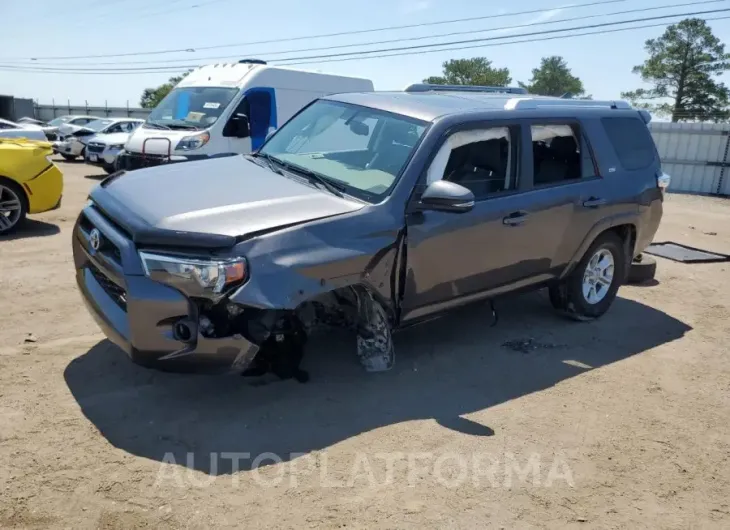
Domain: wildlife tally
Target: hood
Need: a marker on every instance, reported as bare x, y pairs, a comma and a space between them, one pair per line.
156, 141
229, 196
110, 139
69, 128
30, 126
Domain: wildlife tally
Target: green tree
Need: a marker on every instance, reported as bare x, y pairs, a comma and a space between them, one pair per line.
151, 97
474, 71
681, 68
554, 78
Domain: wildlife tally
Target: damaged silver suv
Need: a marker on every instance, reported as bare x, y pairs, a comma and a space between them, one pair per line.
373, 211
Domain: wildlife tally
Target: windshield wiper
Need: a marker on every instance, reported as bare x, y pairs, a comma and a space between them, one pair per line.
155, 125
184, 126
313, 176
269, 163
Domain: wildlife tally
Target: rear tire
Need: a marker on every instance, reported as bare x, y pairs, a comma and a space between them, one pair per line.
108, 168
16, 206
591, 288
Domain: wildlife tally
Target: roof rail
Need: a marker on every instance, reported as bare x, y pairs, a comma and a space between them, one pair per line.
252, 61
537, 103
429, 87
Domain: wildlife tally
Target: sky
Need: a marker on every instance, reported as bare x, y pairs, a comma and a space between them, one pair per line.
40, 29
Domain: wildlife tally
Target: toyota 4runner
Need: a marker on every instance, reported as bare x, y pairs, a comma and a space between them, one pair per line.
374, 211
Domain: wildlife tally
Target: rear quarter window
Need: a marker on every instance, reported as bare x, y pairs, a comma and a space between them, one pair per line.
632, 142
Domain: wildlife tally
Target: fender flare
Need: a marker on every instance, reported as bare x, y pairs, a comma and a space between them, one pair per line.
626, 218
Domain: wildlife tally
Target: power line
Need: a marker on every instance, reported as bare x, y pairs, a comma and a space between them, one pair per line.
326, 35
357, 54
556, 37
486, 39
541, 39
403, 39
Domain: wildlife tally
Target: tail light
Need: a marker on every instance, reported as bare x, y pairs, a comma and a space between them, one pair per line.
662, 181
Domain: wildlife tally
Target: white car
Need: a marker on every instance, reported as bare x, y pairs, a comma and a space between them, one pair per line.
9, 129
31, 121
74, 145
69, 123
102, 150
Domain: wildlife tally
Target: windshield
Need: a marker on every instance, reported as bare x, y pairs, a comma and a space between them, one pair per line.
58, 121
98, 125
192, 107
361, 149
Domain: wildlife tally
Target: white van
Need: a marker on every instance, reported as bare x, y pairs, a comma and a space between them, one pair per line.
227, 109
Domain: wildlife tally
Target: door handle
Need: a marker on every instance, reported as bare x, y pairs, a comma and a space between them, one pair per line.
594, 202
515, 219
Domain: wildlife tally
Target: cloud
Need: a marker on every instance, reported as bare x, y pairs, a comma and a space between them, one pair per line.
413, 6
542, 17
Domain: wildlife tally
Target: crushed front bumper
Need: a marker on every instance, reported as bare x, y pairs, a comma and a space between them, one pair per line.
138, 314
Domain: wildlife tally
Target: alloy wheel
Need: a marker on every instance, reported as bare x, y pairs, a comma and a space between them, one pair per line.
10, 208
598, 276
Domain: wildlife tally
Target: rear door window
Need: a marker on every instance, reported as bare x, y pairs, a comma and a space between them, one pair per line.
632, 142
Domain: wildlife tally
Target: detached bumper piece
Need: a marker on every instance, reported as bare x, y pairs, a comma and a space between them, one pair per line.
156, 325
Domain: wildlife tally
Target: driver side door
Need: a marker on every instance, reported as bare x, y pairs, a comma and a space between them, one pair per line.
454, 258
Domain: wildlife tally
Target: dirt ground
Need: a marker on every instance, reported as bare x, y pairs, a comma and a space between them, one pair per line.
537, 422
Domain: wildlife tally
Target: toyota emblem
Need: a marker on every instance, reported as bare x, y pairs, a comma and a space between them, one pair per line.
95, 239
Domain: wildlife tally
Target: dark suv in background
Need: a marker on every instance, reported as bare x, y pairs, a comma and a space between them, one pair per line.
373, 210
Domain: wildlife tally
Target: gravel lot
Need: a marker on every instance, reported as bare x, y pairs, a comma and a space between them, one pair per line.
538, 422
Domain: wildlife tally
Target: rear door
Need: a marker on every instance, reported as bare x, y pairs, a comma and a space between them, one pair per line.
567, 195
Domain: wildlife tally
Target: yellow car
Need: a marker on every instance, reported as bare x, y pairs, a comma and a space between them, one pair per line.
29, 181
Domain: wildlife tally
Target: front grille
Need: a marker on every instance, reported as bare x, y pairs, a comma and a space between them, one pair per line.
94, 148
106, 247
132, 161
116, 293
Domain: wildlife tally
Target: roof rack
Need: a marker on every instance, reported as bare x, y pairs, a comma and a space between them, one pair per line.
430, 87
537, 103
252, 61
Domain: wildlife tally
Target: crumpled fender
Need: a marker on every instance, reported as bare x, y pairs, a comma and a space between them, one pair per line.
293, 265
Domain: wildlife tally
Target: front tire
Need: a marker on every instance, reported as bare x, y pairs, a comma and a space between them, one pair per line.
68, 158
13, 206
591, 288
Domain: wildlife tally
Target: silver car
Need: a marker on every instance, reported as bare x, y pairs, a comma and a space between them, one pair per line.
102, 150
74, 145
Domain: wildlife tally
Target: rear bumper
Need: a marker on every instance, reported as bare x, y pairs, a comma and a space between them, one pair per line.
45, 190
139, 315
650, 217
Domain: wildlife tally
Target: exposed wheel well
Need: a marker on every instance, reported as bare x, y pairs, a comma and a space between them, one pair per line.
627, 233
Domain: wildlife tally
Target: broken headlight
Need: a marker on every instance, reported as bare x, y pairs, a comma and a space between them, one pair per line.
195, 277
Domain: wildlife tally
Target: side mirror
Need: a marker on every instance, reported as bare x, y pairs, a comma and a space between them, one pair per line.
241, 127
445, 196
